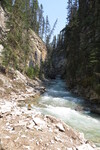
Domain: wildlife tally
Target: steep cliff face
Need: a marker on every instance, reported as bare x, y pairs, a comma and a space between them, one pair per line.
58, 62
2, 20
37, 52
2, 27
37, 49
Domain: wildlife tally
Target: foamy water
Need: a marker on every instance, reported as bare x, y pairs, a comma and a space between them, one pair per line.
59, 102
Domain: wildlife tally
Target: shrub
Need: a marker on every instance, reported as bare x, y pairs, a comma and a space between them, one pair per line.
32, 72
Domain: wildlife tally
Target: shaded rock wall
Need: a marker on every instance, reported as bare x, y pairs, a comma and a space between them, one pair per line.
59, 61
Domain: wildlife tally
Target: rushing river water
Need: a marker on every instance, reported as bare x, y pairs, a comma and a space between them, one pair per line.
59, 102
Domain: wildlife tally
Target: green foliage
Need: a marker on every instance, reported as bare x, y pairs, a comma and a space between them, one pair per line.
82, 44
37, 70
33, 72
30, 72
6, 4
13, 42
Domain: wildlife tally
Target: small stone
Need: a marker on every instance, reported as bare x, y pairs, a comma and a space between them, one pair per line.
81, 136
69, 149
7, 137
46, 144
56, 131
57, 139
60, 127
31, 125
41, 140
1, 116
23, 136
50, 130
39, 122
26, 147
38, 128
52, 142
37, 143
93, 145
29, 107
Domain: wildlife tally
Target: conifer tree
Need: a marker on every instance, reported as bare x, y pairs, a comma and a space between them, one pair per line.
41, 23
47, 30
34, 14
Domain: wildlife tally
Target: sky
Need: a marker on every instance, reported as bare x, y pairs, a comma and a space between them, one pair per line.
55, 9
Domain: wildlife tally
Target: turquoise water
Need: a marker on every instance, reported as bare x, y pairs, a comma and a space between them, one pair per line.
59, 102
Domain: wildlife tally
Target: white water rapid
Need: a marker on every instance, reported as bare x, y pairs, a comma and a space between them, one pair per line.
59, 102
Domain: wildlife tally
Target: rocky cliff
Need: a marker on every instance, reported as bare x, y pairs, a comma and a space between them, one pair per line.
2, 27
37, 49
2, 20
58, 62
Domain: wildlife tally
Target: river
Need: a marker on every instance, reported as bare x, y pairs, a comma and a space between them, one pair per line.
61, 103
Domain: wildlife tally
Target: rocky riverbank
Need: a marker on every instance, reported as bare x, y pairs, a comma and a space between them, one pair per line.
24, 128
92, 99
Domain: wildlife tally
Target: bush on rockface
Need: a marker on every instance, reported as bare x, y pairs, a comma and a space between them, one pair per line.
32, 72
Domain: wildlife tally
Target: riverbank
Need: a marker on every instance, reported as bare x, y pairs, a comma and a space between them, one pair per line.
92, 99
23, 127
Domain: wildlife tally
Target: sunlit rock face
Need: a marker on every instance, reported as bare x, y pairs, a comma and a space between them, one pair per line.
2, 19
37, 49
2, 28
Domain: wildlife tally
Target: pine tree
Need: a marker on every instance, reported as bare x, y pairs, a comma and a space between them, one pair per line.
43, 28
27, 25
41, 21
47, 31
34, 15
54, 42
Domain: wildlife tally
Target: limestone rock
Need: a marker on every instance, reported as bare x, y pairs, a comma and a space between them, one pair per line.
39, 53
20, 76
39, 122
69, 149
84, 147
30, 126
60, 127
1, 49
2, 19
57, 139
